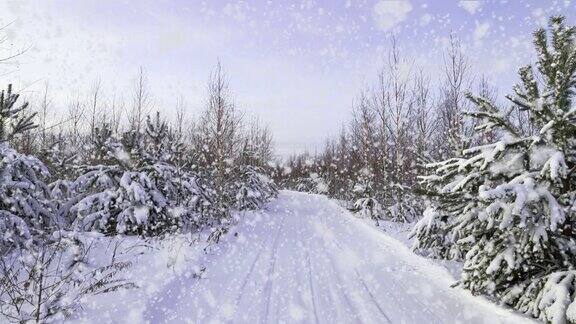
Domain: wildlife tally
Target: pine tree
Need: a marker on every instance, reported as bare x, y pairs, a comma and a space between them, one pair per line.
366, 204
506, 207
26, 210
137, 190
254, 188
252, 183
13, 120
156, 147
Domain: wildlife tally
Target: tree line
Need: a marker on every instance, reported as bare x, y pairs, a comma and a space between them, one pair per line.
99, 172
398, 124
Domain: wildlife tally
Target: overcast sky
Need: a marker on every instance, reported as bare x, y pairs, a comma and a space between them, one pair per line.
295, 64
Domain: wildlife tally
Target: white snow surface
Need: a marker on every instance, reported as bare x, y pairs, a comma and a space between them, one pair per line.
303, 259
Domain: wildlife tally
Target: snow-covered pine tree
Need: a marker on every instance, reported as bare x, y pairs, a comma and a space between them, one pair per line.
110, 197
103, 148
178, 150
450, 189
405, 206
509, 205
366, 204
14, 120
251, 182
217, 142
187, 198
136, 192
25, 204
156, 147
312, 183
188, 204
254, 188
60, 156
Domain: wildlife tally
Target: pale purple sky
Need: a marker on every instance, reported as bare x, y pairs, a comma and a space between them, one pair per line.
295, 64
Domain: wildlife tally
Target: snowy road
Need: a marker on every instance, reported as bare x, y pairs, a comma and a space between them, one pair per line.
304, 259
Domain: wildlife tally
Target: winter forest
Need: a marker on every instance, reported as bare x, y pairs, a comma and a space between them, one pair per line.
138, 185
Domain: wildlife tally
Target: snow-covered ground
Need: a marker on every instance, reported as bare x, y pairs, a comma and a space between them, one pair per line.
301, 259
401, 232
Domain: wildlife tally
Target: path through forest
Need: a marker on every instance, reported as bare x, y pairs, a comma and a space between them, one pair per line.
305, 259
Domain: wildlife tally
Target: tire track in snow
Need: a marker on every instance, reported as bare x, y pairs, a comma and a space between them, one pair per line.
311, 283
359, 277
372, 298
248, 275
363, 284
341, 283
353, 275
309, 263
271, 268
394, 283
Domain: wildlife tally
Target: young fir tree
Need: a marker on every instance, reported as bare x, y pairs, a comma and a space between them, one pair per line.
313, 182
160, 161
60, 156
252, 184
506, 208
366, 204
156, 148
254, 188
25, 204
135, 192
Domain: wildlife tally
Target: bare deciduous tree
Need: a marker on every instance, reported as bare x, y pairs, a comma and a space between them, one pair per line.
454, 130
